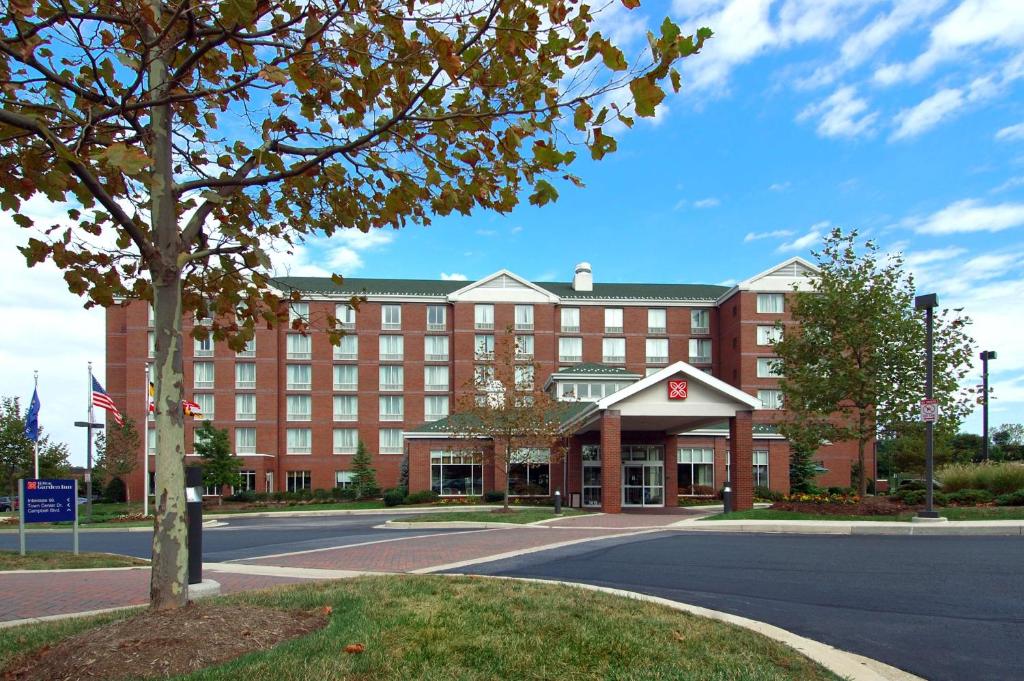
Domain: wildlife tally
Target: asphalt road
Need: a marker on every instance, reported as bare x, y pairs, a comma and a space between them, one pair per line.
242, 537
939, 607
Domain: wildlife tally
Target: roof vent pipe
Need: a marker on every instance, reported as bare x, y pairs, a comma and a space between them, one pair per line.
583, 280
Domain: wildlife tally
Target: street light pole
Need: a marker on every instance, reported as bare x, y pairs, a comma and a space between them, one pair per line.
928, 303
986, 355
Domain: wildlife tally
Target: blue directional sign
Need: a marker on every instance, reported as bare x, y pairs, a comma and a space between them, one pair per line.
48, 501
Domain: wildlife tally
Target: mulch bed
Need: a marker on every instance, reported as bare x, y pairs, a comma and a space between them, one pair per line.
866, 506
164, 644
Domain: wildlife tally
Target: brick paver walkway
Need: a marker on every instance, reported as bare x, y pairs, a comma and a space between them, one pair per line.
45, 593
624, 520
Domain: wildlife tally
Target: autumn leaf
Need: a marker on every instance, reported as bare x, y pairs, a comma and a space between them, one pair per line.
630, 4
646, 96
131, 160
238, 11
544, 193
354, 648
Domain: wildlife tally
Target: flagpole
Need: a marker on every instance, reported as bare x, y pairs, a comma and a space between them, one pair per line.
88, 451
35, 445
145, 446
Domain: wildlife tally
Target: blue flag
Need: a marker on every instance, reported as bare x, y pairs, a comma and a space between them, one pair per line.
32, 418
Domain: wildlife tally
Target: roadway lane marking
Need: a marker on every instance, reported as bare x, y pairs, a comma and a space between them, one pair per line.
350, 546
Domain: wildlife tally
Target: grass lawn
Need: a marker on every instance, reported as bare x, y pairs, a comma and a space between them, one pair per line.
953, 513
983, 513
519, 516
54, 560
430, 627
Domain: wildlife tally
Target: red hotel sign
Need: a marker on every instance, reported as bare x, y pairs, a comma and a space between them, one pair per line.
677, 390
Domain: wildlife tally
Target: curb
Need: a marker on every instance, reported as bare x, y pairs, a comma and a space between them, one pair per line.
343, 512
840, 662
454, 525
866, 527
66, 616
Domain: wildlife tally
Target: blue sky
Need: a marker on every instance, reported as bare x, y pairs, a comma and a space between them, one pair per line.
904, 120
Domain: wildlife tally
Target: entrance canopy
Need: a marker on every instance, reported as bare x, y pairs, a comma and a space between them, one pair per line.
677, 399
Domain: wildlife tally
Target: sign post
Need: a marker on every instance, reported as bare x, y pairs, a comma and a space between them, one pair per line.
47, 501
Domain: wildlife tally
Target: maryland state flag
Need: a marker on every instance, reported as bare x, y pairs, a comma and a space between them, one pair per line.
150, 398
191, 408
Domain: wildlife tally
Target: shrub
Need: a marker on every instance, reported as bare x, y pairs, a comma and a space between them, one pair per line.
494, 496
425, 496
247, 496
911, 497
910, 486
997, 478
1011, 499
706, 491
278, 496
394, 497
841, 490
321, 495
115, 491
260, 496
343, 493
968, 497
766, 493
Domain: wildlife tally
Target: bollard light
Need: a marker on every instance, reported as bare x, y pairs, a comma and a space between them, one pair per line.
558, 502
726, 499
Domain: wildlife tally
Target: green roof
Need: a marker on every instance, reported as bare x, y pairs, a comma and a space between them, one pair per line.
757, 428
435, 287
594, 369
445, 425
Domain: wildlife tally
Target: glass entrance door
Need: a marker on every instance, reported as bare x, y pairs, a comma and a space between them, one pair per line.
643, 475
591, 475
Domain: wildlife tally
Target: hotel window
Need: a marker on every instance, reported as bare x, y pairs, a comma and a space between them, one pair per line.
346, 315
696, 469
245, 375
151, 439
591, 475
298, 377
149, 319
570, 320
529, 473
771, 302
524, 347
436, 318
206, 405
651, 370
768, 335
456, 474
152, 344
343, 479
657, 351
245, 441
392, 377
656, 320
435, 348
250, 349
390, 441
768, 367
524, 317
524, 377
613, 320
203, 347
346, 408
346, 440
700, 322
299, 407
203, 321
483, 375
296, 481
299, 346
347, 348
770, 399
246, 482
760, 468
346, 377
391, 317
613, 350
435, 407
392, 407
299, 440
700, 351
570, 349
392, 348
483, 317
483, 346
245, 407
203, 375
298, 312
435, 378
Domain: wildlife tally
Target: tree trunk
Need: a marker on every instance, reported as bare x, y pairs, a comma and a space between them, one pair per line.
169, 577
863, 484
507, 486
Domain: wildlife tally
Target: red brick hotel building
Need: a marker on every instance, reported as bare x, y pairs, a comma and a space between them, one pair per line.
296, 407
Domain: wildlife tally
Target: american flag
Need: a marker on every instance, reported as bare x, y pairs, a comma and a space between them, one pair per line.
101, 399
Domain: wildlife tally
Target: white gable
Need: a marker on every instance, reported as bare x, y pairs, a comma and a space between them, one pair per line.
795, 272
707, 395
503, 287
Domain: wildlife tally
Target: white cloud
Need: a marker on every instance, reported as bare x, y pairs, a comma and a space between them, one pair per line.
709, 202
776, 234
516, 229
486, 232
780, 186
454, 276
916, 260
1011, 132
339, 254
928, 113
1009, 184
969, 215
842, 114
808, 240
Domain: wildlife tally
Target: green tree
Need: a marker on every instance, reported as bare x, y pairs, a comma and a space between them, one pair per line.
220, 468
1008, 442
16, 451
117, 453
364, 479
803, 469
853, 364
193, 140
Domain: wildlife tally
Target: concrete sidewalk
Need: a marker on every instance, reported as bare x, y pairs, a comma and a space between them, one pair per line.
1001, 528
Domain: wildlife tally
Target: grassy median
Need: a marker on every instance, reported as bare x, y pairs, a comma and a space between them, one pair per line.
64, 560
517, 516
431, 627
952, 513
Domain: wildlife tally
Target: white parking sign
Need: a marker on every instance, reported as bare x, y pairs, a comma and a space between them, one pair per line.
929, 410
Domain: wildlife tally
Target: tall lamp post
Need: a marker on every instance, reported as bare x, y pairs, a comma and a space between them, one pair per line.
986, 355
929, 410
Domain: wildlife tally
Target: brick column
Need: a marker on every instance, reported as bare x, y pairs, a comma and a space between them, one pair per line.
671, 470
611, 461
741, 460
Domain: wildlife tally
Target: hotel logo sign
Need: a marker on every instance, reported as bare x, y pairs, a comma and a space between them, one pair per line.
677, 390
